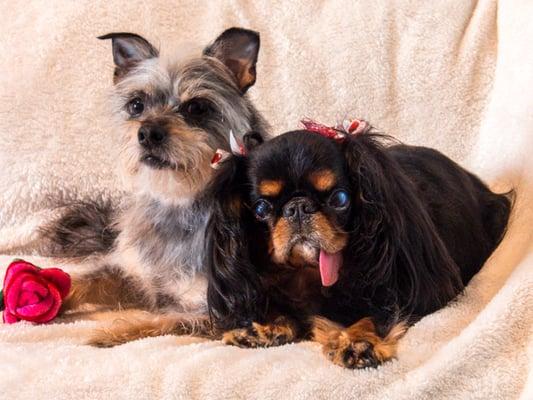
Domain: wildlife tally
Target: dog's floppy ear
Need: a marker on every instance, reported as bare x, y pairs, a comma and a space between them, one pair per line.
251, 140
235, 296
397, 242
237, 48
128, 50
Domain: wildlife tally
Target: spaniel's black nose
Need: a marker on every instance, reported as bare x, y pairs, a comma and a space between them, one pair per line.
299, 208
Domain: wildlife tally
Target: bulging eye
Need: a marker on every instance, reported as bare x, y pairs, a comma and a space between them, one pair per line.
196, 107
262, 209
339, 199
136, 107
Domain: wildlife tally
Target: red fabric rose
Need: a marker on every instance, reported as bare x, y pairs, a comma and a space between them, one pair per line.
33, 294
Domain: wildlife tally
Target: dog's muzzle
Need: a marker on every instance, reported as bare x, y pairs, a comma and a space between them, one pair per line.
152, 139
298, 210
151, 136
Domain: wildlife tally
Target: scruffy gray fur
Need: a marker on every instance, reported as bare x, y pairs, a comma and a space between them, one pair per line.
153, 257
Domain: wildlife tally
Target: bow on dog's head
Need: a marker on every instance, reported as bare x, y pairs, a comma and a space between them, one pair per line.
340, 207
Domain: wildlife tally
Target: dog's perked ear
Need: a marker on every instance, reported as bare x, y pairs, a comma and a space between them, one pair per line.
128, 50
397, 244
237, 48
234, 295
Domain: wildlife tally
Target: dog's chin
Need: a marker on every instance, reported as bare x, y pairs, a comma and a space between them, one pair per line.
304, 250
155, 162
168, 182
303, 253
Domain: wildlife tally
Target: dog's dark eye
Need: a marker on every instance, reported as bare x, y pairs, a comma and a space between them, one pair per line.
196, 107
339, 199
262, 209
136, 107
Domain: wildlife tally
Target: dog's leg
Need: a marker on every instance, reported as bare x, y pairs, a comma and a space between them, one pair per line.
281, 331
105, 286
358, 346
141, 324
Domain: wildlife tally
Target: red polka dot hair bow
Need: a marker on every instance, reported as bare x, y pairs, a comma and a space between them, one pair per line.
220, 155
340, 131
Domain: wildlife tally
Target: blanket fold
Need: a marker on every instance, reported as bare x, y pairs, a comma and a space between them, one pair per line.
456, 76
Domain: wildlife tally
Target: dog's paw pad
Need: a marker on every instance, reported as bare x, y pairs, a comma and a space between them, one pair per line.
259, 335
273, 335
360, 355
353, 355
244, 337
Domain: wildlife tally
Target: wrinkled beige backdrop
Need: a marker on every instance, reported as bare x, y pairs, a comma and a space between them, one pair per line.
454, 75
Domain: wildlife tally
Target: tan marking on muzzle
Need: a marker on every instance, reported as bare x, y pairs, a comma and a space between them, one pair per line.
281, 234
320, 230
331, 239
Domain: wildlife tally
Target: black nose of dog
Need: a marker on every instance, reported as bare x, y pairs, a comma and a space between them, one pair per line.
151, 136
299, 208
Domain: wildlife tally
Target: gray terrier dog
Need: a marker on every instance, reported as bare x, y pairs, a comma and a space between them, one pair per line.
173, 114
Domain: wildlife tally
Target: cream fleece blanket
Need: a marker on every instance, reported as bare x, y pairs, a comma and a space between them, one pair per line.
454, 75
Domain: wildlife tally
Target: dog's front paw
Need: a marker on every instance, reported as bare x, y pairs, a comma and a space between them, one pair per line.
352, 354
276, 334
244, 337
358, 346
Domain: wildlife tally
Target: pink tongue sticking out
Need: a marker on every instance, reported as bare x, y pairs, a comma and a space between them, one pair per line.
329, 267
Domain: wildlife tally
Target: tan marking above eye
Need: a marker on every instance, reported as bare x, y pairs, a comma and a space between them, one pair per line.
270, 187
323, 180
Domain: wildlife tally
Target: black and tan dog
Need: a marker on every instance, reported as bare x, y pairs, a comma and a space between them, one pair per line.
345, 243
172, 112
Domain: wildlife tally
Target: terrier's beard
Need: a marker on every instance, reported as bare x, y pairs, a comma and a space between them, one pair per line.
170, 186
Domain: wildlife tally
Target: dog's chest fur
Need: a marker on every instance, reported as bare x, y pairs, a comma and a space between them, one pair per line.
164, 246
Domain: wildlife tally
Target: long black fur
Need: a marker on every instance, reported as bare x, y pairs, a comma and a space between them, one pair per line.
420, 227
228, 248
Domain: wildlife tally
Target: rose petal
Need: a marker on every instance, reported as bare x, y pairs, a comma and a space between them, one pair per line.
40, 288
27, 298
54, 308
59, 278
13, 291
9, 318
32, 311
17, 267
33, 294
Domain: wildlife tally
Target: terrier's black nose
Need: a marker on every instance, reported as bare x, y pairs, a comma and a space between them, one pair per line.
151, 136
299, 208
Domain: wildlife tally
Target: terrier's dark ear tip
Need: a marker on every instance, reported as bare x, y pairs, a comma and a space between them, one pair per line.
241, 31
121, 35
106, 36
